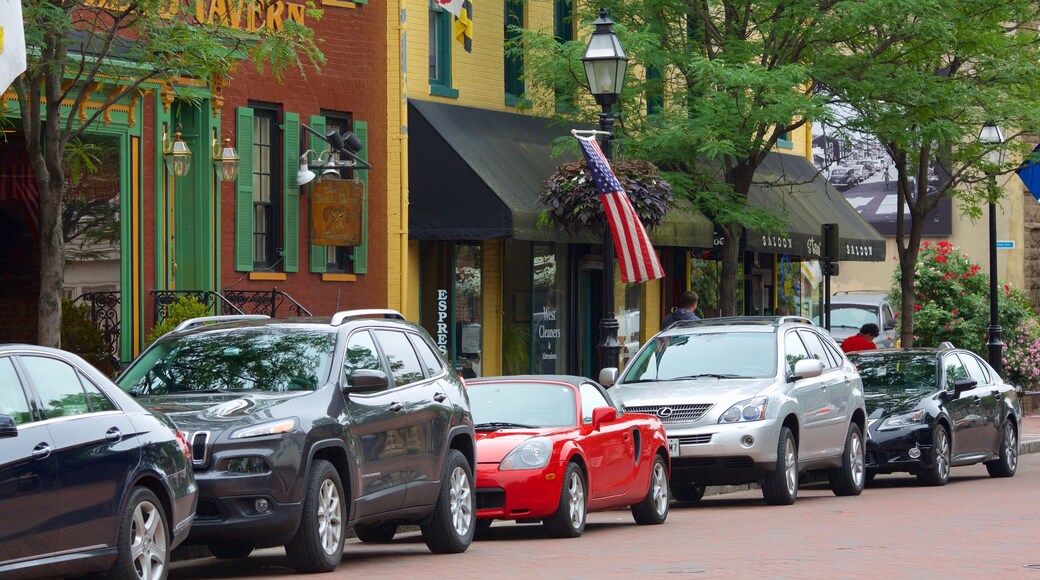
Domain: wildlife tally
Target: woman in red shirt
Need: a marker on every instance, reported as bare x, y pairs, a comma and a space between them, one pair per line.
862, 341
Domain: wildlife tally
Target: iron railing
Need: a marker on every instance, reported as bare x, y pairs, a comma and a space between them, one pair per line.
271, 302
104, 313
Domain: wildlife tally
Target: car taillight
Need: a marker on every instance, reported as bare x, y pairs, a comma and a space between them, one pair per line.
185, 446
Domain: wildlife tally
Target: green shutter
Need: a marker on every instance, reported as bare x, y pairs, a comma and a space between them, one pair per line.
319, 257
244, 192
291, 199
361, 252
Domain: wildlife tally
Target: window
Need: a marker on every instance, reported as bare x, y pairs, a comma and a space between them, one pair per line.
433, 364
61, 393
815, 345
266, 190
12, 398
440, 52
361, 354
591, 399
404, 363
794, 350
654, 91
975, 368
563, 30
338, 258
514, 63
954, 370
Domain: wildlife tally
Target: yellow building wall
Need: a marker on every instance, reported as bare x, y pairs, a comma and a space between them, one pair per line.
401, 285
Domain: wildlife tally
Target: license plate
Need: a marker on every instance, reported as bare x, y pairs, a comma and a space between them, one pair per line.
673, 447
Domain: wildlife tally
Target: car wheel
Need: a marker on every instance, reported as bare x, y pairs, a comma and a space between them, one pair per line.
569, 519
654, 507
1007, 463
318, 544
144, 539
377, 534
939, 473
850, 477
454, 517
781, 486
686, 490
230, 550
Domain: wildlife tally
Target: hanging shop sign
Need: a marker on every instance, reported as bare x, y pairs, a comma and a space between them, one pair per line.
336, 212
248, 15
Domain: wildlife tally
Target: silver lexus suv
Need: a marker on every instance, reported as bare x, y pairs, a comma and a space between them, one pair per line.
750, 399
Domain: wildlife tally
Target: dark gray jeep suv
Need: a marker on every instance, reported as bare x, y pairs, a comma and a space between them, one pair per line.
301, 429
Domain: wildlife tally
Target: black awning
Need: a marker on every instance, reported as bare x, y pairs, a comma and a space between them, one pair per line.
789, 186
475, 174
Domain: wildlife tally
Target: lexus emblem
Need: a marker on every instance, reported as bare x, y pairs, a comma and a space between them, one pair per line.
664, 412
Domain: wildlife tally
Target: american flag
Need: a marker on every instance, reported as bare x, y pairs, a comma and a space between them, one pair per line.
636, 257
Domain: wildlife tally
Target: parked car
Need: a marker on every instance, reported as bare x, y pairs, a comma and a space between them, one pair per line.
935, 408
90, 481
746, 399
553, 448
851, 309
304, 428
843, 178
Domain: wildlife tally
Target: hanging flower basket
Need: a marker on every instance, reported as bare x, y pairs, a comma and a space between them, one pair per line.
572, 202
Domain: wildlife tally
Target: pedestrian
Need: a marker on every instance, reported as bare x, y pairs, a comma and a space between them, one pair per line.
886, 176
685, 311
781, 311
864, 340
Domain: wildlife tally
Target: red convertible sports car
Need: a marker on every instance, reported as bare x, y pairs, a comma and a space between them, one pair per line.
551, 448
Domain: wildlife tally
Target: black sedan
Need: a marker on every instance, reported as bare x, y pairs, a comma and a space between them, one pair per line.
89, 480
935, 408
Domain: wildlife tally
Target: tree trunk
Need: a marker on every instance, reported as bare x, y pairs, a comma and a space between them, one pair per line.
908, 284
730, 263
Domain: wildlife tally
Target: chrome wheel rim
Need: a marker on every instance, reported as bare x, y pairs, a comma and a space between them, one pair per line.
148, 541
791, 466
576, 500
660, 489
942, 454
330, 520
1010, 446
460, 502
856, 460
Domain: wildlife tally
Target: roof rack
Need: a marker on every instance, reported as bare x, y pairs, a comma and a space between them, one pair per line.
774, 320
946, 345
341, 317
862, 292
203, 320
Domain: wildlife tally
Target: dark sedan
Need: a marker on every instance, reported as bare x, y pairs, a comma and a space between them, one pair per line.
931, 409
90, 481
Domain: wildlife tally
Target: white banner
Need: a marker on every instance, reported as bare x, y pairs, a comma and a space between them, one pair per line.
12, 42
453, 6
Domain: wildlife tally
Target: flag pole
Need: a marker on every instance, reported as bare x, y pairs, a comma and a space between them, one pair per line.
609, 346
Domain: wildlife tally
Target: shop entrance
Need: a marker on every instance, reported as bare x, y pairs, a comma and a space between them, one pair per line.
588, 312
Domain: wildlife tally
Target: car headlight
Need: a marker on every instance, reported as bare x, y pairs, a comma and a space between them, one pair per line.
531, 454
272, 428
744, 411
911, 419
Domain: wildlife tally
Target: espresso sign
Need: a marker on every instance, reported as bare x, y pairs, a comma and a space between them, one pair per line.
336, 207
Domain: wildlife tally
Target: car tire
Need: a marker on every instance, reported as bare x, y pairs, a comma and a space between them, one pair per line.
451, 529
229, 550
143, 544
569, 519
939, 473
653, 509
318, 544
1006, 463
376, 534
686, 490
852, 475
781, 486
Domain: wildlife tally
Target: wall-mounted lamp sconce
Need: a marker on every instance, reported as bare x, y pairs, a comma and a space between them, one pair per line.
225, 160
177, 154
328, 161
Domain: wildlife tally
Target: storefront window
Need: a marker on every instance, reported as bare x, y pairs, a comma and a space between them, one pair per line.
469, 292
533, 326
628, 321
799, 286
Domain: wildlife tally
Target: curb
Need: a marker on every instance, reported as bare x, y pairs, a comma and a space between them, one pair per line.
1024, 448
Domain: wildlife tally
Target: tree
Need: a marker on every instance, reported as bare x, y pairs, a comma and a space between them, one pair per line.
75, 46
718, 83
924, 77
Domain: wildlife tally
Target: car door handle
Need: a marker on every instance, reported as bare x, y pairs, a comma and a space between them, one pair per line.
823, 388
113, 434
976, 400
41, 451
440, 397
396, 407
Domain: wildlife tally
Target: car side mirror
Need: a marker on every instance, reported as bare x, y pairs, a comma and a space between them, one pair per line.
602, 415
7, 427
961, 385
807, 368
608, 376
890, 324
366, 381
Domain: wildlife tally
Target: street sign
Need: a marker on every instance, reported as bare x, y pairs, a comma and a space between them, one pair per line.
1005, 244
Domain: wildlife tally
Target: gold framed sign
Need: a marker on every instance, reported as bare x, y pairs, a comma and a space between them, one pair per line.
336, 212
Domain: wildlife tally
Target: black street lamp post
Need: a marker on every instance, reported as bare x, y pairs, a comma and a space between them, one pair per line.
993, 136
605, 63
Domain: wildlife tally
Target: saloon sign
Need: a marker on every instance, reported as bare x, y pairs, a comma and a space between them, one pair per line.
248, 15
336, 212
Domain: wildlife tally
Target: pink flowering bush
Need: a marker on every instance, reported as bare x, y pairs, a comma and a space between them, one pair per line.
1022, 356
952, 301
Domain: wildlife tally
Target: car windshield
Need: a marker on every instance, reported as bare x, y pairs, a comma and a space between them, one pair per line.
850, 315
266, 359
720, 355
522, 404
893, 374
